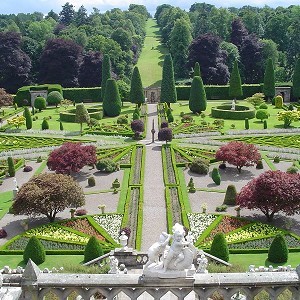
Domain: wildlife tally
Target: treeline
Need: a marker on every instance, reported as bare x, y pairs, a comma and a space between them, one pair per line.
68, 48
216, 37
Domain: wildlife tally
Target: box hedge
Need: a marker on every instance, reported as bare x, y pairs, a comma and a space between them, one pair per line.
83, 94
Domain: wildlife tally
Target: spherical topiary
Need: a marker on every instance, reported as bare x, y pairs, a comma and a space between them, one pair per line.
122, 120
263, 106
230, 196
11, 167
137, 125
106, 165
165, 134
278, 251
40, 103
199, 166
27, 169
216, 177
91, 181
164, 125
262, 114
45, 125
54, 98
219, 247
35, 251
92, 249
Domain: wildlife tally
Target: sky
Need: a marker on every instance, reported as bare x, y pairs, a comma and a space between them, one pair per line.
44, 6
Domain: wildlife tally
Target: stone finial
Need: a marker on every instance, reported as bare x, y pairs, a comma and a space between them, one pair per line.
31, 271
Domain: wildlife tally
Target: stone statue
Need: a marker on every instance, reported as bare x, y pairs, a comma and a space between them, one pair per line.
16, 188
202, 264
113, 265
233, 105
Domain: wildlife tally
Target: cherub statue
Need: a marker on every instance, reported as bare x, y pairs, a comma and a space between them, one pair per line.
113, 265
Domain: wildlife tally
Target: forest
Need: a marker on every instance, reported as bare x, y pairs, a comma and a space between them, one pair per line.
68, 47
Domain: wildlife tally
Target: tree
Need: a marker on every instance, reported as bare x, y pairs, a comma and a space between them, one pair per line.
67, 14
59, 62
54, 98
15, 64
219, 247
238, 32
92, 249
296, 80
123, 38
272, 192
256, 100
168, 90
288, 117
262, 114
11, 167
81, 16
278, 251
112, 102
232, 54
197, 101
48, 194
106, 74
5, 98
269, 80
40, 103
81, 115
238, 154
71, 157
205, 49
165, 134
197, 70
136, 88
35, 251
28, 118
235, 83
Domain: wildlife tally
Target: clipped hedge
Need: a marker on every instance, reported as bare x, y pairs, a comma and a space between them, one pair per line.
83, 94
241, 112
69, 115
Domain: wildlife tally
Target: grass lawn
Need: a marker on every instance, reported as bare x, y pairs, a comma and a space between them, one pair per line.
5, 202
183, 106
151, 59
261, 259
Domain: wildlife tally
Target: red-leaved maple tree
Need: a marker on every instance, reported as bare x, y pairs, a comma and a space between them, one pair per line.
272, 192
239, 154
71, 157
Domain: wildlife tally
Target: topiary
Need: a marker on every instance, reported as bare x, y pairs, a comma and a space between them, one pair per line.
263, 106
106, 165
278, 101
11, 167
276, 159
112, 101
291, 107
80, 212
135, 116
164, 125
40, 103
28, 118
219, 247
199, 166
292, 170
259, 165
215, 175
246, 123
54, 98
61, 127
45, 125
27, 169
92, 249
262, 114
278, 251
137, 126
170, 118
265, 124
230, 196
122, 120
35, 251
91, 181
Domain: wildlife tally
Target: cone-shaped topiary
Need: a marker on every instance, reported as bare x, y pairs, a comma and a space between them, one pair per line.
61, 126
197, 101
28, 118
235, 83
197, 71
296, 80
35, 251
278, 251
219, 247
136, 88
92, 249
11, 167
269, 80
45, 125
216, 177
105, 74
112, 102
230, 196
168, 90
54, 98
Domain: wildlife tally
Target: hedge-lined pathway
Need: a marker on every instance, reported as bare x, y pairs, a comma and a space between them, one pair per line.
154, 208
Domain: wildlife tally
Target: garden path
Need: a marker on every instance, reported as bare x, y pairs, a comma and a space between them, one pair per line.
154, 209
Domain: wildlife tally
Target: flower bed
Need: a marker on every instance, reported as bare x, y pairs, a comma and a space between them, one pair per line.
170, 169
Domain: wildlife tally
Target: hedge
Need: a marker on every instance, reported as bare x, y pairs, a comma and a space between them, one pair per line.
83, 94
69, 115
225, 112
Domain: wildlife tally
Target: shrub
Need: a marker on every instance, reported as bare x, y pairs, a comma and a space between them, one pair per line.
45, 125
116, 184
135, 116
170, 118
112, 101
3, 233
35, 251
61, 127
39, 159
92, 249
276, 159
54, 98
221, 208
259, 165
278, 251
230, 196
187, 119
278, 101
40, 103
27, 169
292, 170
291, 107
222, 166
28, 118
11, 167
106, 165
191, 182
165, 134
122, 120
263, 106
137, 126
199, 166
80, 212
164, 125
265, 124
219, 247
246, 123
216, 177
91, 181
262, 114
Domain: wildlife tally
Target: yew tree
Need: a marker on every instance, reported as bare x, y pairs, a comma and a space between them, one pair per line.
71, 157
272, 192
239, 154
48, 194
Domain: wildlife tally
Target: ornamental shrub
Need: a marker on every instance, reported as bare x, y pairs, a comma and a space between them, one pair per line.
263, 106
278, 251
276, 159
54, 98
230, 196
91, 181
296, 80
219, 247
278, 101
40, 103
106, 165
235, 83
135, 116
28, 118
61, 127
11, 167
106, 73
137, 126
92, 249
221, 208
136, 88
292, 170
216, 177
45, 125
291, 107
165, 134
265, 124
35, 251
246, 123
262, 114
197, 99
187, 119
269, 80
164, 125
80, 212
170, 118
259, 165
122, 120
3, 233
112, 101
199, 166
27, 169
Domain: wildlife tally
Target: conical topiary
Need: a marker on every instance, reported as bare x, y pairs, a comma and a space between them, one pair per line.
197, 71
28, 118
11, 167
92, 249
105, 74
216, 177
45, 125
296, 80
219, 247
278, 251
230, 196
112, 102
197, 100
136, 88
235, 83
269, 80
35, 251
